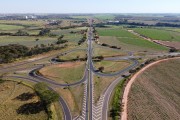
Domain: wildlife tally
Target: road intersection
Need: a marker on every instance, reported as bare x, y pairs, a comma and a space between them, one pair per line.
90, 110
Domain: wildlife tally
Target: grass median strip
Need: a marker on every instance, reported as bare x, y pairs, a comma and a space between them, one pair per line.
115, 107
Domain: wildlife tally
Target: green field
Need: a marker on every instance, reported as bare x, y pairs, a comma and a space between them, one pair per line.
105, 17
158, 34
115, 33
26, 40
127, 38
142, 43
80, 17
5, 27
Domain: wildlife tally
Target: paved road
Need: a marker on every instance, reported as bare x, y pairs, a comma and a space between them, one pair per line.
42, 78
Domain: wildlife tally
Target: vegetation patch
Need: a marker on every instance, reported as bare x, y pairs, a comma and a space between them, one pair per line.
158, 34
115, 33
115, 102
10, 53
142, 43
10, 27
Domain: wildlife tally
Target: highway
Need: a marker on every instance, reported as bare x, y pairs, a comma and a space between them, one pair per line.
90, 111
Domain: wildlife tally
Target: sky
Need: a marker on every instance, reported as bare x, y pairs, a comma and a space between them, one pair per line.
89, 6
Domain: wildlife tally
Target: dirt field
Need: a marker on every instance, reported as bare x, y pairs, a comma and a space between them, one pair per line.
9, 102
169, 44
155, 93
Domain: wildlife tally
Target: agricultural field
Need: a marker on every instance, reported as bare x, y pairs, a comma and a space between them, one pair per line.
127, 40
115, 33
174, 29
60, 73
4, 27
33, 28
11, 103
158, 34
106, 52
23, 22
158, 86
105, 16
26, 40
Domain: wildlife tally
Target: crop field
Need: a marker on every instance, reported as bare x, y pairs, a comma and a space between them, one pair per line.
154, 95
159, 34
113, 41
174, 29
25, 40
127, 39
5, 27
115, 32
80, 17
105, 17
106, 52
10, 102
112, 66
23, 22
60, 73
142, 43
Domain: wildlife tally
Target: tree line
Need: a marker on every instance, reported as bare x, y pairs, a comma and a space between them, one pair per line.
11, 52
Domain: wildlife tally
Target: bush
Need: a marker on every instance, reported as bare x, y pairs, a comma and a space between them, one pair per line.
44, 31
46, 95
21, 33
173, 50
61, 41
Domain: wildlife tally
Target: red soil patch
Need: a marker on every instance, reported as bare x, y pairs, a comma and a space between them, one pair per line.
169, 44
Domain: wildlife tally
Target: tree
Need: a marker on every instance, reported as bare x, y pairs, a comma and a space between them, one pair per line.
47, 96
21, 33
61, 41
173, 50
44, 31
101, 69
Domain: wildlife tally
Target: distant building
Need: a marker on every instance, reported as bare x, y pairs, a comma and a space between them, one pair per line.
30, 17
113, 21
